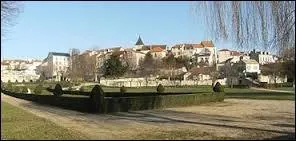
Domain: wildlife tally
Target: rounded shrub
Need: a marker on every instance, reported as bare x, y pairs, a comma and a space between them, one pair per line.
160, 88
123, 90
58, 91
38, 89
218, 88
97, 101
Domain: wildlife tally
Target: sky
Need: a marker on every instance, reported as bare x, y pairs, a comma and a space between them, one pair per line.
45, 27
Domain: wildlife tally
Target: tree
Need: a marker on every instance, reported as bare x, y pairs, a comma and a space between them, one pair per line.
147, 65
170, 62
113, 67
276, 70
9, 11
183, 61
247, 23
231, 71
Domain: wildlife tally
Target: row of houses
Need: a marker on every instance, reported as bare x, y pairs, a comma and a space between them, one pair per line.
20, 70
87, 65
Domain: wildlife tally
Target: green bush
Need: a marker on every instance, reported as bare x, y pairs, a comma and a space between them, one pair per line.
160, 88
38, 89
97, 101
122, 90
24, 89
218, 88
58, 91
24, 81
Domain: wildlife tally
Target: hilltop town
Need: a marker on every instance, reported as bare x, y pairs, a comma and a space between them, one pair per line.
195, 62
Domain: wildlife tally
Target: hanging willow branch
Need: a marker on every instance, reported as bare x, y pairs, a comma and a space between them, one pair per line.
250, 24
9, 12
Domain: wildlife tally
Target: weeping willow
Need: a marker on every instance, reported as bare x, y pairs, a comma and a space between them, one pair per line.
9, 11
250, 24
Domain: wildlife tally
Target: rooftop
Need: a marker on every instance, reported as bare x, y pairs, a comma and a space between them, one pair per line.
157, 49
139, 42
59, 54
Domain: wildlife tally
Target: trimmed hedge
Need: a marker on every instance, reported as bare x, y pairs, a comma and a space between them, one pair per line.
96, 101
241, 86
124, 104
58, 91
38, 89
122, 90
24, 89
78, 103
160, 88
218, 88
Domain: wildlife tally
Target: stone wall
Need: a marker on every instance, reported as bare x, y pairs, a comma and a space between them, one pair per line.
140, 82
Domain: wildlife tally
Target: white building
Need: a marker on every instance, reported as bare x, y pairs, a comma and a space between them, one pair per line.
19, 70
56, 65
225, 54
203, 52
262, 57
251, 66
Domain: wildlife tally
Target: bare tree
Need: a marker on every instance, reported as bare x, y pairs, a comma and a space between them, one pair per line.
9, 11
267, 24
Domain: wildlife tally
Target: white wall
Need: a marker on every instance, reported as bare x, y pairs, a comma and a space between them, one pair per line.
140, 82
252, 68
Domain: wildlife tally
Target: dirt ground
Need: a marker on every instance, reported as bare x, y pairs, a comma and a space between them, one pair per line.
231, 119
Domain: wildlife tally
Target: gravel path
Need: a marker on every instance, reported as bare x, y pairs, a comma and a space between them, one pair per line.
231, 119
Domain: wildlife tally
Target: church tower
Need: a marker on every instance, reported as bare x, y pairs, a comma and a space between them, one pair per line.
139, 44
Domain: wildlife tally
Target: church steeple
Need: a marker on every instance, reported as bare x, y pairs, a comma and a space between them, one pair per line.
139, 42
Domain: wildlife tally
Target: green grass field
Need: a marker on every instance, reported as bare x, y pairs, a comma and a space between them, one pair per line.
284, 88
19, 124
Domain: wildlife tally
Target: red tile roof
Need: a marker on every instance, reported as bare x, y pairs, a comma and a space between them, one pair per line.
235, 53
157, 49
158, 46
207, 43
224, 50
197, 46
188, 46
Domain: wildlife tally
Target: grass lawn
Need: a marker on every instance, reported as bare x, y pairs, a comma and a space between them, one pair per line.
19, 124
257, 94
284, 88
